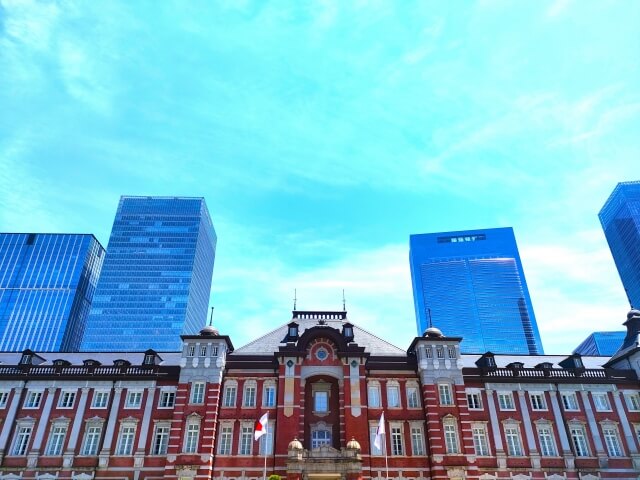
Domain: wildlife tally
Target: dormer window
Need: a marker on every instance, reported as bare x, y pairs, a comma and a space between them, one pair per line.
91, 363
121, 363
26, 359
61, 363
516, 365
347, 332
149, 359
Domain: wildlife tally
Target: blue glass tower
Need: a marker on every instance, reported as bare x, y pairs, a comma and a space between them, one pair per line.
156, 278
47, 282
620, 219
473, 285
601, 344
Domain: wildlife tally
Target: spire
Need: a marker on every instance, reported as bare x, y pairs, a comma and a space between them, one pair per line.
295, 298
211, 317
430, 319
344, 302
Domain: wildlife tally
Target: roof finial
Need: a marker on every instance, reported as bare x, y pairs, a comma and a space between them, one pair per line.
430, 319
295, 298
344, 302
211, 316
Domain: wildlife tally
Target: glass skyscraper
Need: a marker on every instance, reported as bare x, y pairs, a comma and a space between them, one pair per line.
620, 219
601, 343
472, 285
47, 282
156, 278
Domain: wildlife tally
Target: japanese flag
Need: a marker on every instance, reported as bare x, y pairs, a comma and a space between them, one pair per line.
379, 433
261, 426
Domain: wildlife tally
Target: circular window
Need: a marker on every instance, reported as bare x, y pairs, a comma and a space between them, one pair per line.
322, 354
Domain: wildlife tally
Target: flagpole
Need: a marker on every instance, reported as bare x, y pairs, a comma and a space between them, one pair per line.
265, 458
386, 459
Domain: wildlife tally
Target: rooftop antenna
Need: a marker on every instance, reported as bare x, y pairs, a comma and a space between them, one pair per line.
211, 317
295, 298
430, 319
344, 302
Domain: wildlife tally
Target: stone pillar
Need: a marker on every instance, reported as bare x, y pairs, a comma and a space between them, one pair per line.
43, 423
9, 419
144, 428
531, 440
111, 425
495, 428
75, 428
569, 459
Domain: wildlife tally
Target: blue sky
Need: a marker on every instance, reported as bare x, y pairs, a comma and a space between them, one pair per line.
323, 133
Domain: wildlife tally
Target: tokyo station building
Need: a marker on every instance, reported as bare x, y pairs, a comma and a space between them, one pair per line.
325, 382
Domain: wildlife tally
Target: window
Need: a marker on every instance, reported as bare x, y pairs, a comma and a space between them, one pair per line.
480, 444
125, 439
547, 443
451, 350
91, 440
505, 401
269, 396
191, 351
33, 399
321, 401
203, 351
191, 437
265, 446
393, 396
412, 397
429, 352
538, 401
579, 440
224, 444
56, 439
417, 441
444, 390
397, 445
4, 397
319, 437
167, 399
612, 440
601, 402
197, 393
214, 351
134, 399
229, 395
451, 437
66, 399
23, 434
149, 359
249, 397
373, 391
373, 429
100, 399
633, 402
160, 439
246, 439
474, 401
514, 445
570, 401
440, 351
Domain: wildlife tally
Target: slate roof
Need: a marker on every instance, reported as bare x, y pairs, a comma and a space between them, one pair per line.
105, 358
530, 361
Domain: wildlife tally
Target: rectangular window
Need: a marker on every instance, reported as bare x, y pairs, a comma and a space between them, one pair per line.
393, 396
374, 395
56, 439
4, 397
372, 438
451, 350
547, 444
91, 440
412, 397
538, 401
160, 440
480, 444
429, 352
417, 441
167, 399
269, 396
451, 438
474, 401
224, 445
33, 399
66, 399
203, 351
579, 441
440, 351
249, 399
23, 435
570, 401
444, 391
514, 445
601, 402
134, 399
397, 446
266, 441
100, 399
214, 351
613, 441
191, 438
246, 439
321, 401
191, 351
125, 440
197, 393
229, 396
505, 401
633, 402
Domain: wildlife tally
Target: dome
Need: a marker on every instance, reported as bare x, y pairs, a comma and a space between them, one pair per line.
353, 444
432, 332
633, 313
209, 330
295, 444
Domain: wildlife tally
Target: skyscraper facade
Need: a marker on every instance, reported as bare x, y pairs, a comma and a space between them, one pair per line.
47, 282
601, 343
156, 278
471, 284
620, 219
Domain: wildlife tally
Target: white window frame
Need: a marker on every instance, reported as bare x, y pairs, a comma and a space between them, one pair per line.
196, 397
538, 401
612, 440
396, 434
373, 394
167, 399
633, 401
92, 435
506, 402
203, 351
225, 442
546, 439
249, 394
33, 399
474, 400
134, 399
601, 401
513, 439
266, 440
451, 437
126, 439
67, 399
57, 437
191, 351
4, 398
445, 394
570, 402
229, 400
191, 435
245, 440
22, 439
393, 395
417, 440
413, 395
579, 440
269, 395
103, 395
321, 401
160, 441
480, 440
373, 430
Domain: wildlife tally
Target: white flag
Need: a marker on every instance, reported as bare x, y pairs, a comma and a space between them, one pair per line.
261, 426
380, 433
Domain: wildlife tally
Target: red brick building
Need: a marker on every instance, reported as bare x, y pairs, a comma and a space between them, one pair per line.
325, 383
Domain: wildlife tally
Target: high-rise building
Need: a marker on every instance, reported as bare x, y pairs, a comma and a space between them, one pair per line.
156, 278
47, 282
620, 219
471, 284
601, 343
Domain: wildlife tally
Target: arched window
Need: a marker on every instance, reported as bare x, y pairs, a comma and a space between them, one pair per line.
320, 437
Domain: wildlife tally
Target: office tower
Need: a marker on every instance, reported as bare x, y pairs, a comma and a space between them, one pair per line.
156, 278
620, 219
47, 282
471, 284
601, 343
